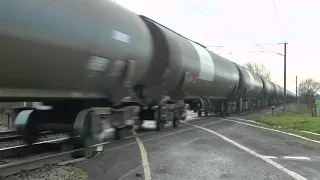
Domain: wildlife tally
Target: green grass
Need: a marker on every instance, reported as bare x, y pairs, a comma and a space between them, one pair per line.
77, 174
292, 120
318, 103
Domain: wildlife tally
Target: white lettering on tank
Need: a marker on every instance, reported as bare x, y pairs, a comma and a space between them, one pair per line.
98, 63
120, 36
206, 63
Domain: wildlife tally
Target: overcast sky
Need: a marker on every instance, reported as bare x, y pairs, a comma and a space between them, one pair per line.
238, 25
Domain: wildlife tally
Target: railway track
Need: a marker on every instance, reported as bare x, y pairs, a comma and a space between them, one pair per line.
16, 159
44, 153
8, 132
56, 153
12, 135
21, 150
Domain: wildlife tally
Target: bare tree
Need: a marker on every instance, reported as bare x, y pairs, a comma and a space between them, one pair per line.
307, 91
258, 68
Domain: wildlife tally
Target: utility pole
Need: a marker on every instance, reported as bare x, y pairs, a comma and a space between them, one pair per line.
285, 67
285, 74
296, 89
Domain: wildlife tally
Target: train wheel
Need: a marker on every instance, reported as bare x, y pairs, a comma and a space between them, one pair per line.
160, 117
176, 122
183, 115
120, 133
199, 113
26, 125
160, 125
87, 125
138, 123
206, 113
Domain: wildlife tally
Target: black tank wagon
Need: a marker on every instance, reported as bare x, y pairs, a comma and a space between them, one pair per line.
86, 60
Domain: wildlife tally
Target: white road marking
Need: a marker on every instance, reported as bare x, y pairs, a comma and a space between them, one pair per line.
163, 152
270, 157
274, 130
263, 124
296, 157
292, 158
158, 137
246, 120
276, 165
144, 157
311, 133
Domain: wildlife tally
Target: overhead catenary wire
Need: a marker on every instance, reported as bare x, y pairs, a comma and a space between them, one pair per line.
275, 8
198, 9
202, 12
258, 45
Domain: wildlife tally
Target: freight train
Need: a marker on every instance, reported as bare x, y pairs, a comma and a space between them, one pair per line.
95, 64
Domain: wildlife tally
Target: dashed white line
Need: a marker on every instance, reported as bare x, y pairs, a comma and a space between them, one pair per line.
288, 157
246, 120
270, 157
274, 130
291, 173
296, 157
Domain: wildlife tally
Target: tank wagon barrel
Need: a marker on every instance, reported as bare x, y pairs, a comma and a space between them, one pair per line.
96, 64
68, 49
71, 56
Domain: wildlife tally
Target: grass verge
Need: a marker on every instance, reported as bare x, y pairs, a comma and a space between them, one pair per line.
77, 174
293, 121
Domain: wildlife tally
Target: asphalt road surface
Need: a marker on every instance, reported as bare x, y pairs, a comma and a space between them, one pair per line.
207, 148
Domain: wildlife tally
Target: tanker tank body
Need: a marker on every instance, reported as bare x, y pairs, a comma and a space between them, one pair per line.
279, 94
250, 89
274, 96
268, 91
71, 56
220, 91
193, 74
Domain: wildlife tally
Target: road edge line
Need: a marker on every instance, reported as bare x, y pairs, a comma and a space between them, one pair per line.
275, 130
144, 157
273, 163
